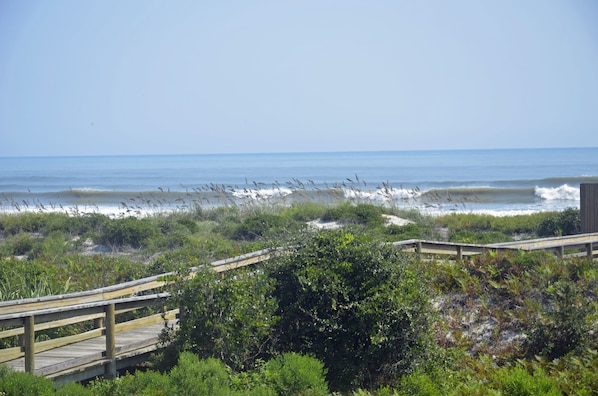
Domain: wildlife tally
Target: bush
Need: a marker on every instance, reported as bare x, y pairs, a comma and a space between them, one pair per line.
228, 317
260, 226
466, 236
567, 222
22, 384
295, 374
192, 376
358, 306
562, 326
19, 245
517, 381
127, 231
408, 231
363, 214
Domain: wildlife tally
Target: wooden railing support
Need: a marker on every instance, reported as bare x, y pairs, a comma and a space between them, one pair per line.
110, 372
98, 323
590, 251
29, 338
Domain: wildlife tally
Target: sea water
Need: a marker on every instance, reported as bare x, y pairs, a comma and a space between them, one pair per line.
501, 182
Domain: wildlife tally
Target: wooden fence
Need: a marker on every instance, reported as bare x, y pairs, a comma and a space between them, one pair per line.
99, 307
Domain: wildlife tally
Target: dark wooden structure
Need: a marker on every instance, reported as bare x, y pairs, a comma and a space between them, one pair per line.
589, 207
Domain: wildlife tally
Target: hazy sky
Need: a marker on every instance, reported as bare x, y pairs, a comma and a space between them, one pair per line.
169, 77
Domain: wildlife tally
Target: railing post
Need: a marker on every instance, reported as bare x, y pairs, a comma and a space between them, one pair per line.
98, 323
589, 250
29, 335
110, 372
459, 252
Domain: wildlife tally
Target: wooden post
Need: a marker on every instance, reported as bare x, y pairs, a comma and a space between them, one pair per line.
29, 329
459, 252
98, 323
110, 372
589, 250
588, 195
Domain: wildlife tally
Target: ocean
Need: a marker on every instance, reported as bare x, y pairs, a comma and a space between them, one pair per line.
500, 182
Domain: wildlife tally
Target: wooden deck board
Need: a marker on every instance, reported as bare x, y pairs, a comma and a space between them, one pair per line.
44, 360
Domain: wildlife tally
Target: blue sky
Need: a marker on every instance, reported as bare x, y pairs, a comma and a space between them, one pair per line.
173, 77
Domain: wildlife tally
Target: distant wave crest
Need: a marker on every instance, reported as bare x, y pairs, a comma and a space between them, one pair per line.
564, 192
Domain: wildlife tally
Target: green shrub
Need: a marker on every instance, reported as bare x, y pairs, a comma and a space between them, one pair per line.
562, 326
567, 222
478, 237
53, 246
74, 389
22, 384
19, 245
295, 374
363, 214
419, 383
228, 317
303, 212
358, 306
259, 226
127, 231
192, 376
408, 231
145, 383
517, 381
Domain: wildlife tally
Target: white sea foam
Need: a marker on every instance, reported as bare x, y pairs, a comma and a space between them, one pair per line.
262, 193
383, 194
563, 192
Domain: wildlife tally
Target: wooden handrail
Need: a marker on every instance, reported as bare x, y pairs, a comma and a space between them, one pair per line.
123, 289
34, 314
557, 244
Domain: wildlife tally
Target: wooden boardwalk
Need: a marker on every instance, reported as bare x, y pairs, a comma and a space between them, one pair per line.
87, 359
112, 345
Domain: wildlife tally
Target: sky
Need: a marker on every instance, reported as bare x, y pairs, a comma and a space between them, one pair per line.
128, 77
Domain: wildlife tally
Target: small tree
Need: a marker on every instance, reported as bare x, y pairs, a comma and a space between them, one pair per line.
358, 306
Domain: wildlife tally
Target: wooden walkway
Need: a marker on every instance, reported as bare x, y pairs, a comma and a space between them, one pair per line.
112, 345
87, 359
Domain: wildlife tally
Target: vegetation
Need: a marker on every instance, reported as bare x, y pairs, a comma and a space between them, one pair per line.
343, 312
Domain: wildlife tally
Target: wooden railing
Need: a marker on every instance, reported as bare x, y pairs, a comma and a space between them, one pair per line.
583, 243
23, 318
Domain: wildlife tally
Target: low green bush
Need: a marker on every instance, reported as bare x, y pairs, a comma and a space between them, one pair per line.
486, 237
14, 383
363, 214
20, 244
408, 231
567, 222
295, 374
517, 381
192, 376
562, 326
129, 231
